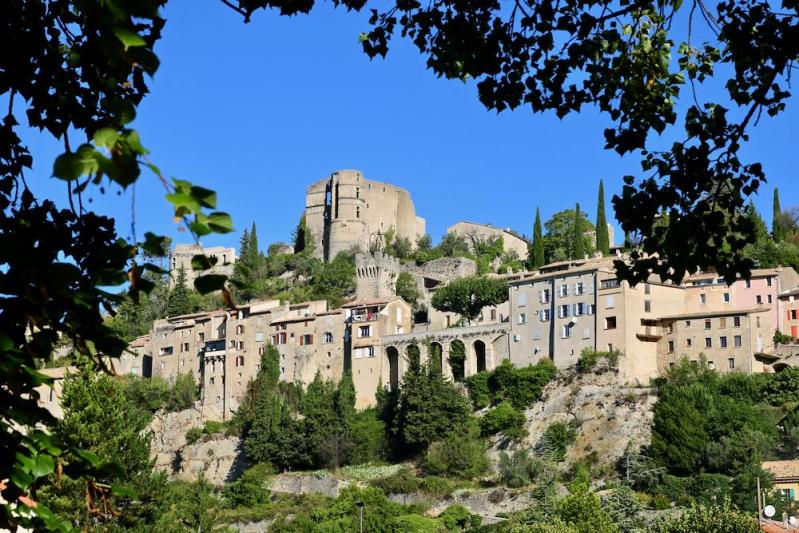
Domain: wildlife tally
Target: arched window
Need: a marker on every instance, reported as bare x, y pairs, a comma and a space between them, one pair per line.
328, 337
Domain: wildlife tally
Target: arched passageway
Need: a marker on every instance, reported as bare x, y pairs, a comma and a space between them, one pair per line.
436, 357
414, 356
457, 359
393, 367
480, 354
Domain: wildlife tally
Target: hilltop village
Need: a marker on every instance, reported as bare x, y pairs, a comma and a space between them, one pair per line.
557, 312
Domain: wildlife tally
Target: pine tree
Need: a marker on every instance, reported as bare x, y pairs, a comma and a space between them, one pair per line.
777, 231
178, 301
537, 250
244, 246
602, 237
578, 250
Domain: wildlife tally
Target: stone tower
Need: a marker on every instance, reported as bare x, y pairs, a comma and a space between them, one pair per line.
376, 275
343, 211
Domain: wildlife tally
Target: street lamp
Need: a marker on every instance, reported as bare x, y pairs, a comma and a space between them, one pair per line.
359, 505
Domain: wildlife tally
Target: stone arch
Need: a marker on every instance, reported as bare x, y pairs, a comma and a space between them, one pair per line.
414, 355
435, 356
480, 355
457, 359
392, 354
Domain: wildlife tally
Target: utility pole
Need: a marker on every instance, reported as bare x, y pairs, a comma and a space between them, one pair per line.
759, 506
359, 504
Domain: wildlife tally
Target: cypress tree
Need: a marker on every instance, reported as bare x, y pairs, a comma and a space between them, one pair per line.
578, 246
300, 236
178, 302
537, 252
244, 246
777, 231
602, 237
253, 248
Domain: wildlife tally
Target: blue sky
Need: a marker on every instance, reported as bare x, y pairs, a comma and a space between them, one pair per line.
260, 111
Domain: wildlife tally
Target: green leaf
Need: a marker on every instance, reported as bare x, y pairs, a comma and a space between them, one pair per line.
202, 262
106, 137
123, 492
69, 166
220, 222
44, 465
128, 38
205, 197
89, 457
20, 478
210, 283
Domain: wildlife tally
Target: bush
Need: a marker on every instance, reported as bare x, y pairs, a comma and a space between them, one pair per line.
477, 386
414, 523
193, 435
589, 358
402, 482
368, 435
183, 393
461, 454
582, 509
520, 468
719, 518
249, 489
522, 387
148, 394
458, 518
557, 438
503, 418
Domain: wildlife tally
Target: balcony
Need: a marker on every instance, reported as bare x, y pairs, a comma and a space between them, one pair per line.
649, 331
364, 317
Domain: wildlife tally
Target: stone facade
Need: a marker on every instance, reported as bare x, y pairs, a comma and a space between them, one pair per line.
347, 211
472, 231
181, 254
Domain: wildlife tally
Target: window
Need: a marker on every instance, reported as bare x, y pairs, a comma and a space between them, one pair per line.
368, 351
184, 347
689, 342
565, 331
357, 212
166, 350
522, 318
586, 332
522, 299
610, 322
536, 334
708, 342
364, 331
759, 299
768, 282
687, 323
609, 284
731, 362
327, 338
279, 338
579, 288
792, 315
749, 284
768, 298
259, 336
726, 297
708, 323
647, 288
723, 342
737, 341
240, 360
545, 296
736, 321
609, 302
563, 290
306, 340
239, 329
493, 314
722, 322
212, 380
201, 336
544, 314
757, 321
580, 309
563, 311
261, 349
711, 365
703, 298
671, 346
647, 306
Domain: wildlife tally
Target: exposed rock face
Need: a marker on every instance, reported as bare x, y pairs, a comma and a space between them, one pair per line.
218, 459
610, 416
299, 483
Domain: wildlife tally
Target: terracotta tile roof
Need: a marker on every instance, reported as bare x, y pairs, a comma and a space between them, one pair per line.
782, 469
293, 318
790, 292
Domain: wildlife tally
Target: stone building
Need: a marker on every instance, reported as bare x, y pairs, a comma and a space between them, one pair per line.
181, 254
367, 322
789, 318
346, 210
473, 231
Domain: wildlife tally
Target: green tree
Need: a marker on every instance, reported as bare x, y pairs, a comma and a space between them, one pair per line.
179, 301
777, 230
578, 241
336, 281
559, 239
468, 296
537, 250
300, 236
407, 289
602, 237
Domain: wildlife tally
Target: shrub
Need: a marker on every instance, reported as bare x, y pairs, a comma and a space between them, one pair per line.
719, 518
477, 386
193, 435
458, 518
519, 468
402, 482
582, 509
439, 487
414, 523
368, 435
522, 387
557, 438
212, 427
461, 454
589, 358
249, 489
183, 393
503, 418
148, 394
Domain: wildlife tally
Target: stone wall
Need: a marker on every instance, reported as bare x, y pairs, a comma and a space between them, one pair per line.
180, 257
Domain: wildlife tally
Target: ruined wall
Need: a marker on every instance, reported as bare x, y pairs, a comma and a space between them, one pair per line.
181, 255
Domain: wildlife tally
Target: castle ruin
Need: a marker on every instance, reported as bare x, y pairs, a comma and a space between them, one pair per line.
347, 211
